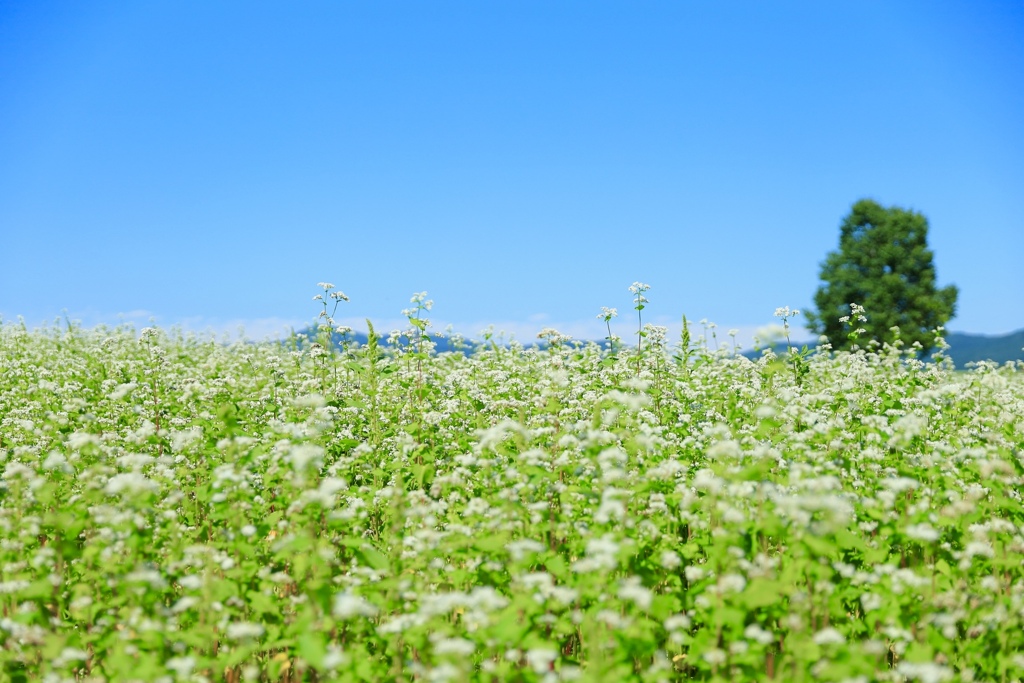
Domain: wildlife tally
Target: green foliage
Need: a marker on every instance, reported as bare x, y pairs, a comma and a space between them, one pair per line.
884, 265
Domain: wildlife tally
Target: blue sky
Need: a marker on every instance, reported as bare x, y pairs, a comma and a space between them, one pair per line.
206, 164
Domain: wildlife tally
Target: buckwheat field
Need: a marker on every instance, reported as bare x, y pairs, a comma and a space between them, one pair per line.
173, 508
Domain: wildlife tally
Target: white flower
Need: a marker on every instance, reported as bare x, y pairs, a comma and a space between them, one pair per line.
334, 658
56, 461
638, 289
758, 635
922, 532
520, 548
302, 456
610, 509
670, 560
243, 630
182, 666
181, 439
81, 602
829, 636
979, 548
120, 392
308, 401
70, 654
442, 673
601, 554
485, 598
401, 623
347, 605
633, 589
871, 601
454, 646
724, 449
678, 622
911, 425
926, 672
632, 402
540, 660
900, 484
732, 583
184, 604
656, 333
79, 440
706, 480
151, 576
191, 582
132, 482
329, 486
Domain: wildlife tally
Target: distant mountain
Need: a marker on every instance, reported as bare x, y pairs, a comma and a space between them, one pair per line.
441, 345
964, 347
969, 348
360, 339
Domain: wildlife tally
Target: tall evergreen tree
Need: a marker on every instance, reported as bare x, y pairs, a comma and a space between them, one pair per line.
883, 264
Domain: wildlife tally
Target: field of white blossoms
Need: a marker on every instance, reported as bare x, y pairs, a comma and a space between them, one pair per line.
177, 509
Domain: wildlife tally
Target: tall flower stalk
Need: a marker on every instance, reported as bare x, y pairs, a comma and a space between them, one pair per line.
606, 315
637, 289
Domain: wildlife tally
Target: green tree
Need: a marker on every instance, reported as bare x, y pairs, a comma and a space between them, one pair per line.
883, 264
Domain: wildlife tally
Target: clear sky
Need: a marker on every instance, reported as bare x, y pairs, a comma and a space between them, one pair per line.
207, 163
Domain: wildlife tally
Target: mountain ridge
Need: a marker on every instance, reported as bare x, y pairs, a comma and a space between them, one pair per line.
964, 347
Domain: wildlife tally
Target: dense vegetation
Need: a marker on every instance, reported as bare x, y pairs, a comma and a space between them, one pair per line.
174, 509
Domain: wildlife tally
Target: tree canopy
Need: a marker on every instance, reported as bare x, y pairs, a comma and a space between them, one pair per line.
883, 264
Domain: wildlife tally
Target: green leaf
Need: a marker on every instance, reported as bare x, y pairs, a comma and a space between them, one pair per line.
222, 589
373, 557
37, 590
847, 540
312, 647
819, 546
237, 655
556, 565
509, 627
762, 593
919, 652
491, 543
423, 475
262, 604
664, 606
